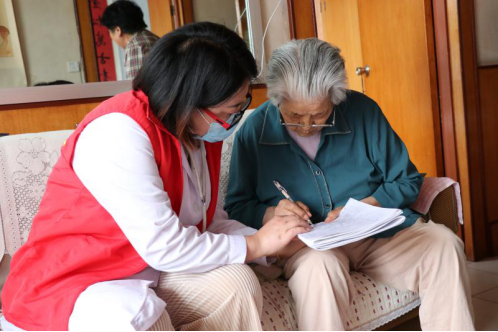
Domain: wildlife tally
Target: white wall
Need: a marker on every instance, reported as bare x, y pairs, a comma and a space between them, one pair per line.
279, 29
49, 38
217, 11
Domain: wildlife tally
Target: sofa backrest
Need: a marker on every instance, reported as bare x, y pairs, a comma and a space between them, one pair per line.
25, 163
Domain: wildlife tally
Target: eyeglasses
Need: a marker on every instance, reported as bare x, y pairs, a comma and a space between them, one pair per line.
299, 125
237, 116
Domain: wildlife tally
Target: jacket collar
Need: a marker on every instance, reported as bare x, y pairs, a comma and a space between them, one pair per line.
274, 133
144, 100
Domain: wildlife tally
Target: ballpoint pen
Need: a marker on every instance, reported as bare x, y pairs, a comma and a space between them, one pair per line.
286, 195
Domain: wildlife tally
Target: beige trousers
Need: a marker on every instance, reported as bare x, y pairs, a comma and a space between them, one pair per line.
426, 258
227, 298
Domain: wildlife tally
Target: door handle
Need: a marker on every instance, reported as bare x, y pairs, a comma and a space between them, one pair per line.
360, 71
363, 70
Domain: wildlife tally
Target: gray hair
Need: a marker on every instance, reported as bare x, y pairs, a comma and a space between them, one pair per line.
306, 69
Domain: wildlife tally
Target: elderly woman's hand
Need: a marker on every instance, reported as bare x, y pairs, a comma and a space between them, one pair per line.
288, 208
332, 215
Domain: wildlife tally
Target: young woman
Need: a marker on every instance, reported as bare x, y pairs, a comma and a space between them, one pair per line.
135, 193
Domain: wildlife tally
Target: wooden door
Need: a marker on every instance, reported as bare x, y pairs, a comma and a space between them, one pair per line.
394, 38
161, 19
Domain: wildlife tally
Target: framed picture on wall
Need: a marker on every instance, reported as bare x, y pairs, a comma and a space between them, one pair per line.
5, 39
12, 72
5, 44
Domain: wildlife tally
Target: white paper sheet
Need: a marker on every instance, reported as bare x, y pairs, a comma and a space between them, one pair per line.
356, 221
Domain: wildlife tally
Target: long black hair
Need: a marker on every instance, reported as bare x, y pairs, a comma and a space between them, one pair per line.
199, 65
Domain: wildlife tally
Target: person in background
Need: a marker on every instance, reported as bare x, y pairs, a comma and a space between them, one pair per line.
125, 21
325, 144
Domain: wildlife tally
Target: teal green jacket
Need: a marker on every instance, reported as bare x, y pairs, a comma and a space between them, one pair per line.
360, 156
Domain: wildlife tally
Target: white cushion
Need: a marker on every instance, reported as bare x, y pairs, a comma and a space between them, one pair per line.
373, 306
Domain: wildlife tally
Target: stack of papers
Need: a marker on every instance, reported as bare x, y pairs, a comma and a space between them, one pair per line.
356, 221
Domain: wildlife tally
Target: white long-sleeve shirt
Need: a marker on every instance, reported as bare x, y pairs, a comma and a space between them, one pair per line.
114, 159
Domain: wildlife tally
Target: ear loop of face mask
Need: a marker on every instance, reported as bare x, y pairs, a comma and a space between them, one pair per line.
209, 123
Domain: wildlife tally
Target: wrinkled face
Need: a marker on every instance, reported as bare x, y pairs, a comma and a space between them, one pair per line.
117, 36
305, 113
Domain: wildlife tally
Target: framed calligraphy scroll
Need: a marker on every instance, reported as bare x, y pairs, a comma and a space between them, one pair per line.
103, 43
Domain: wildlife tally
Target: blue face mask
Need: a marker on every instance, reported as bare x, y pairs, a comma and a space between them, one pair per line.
216, 132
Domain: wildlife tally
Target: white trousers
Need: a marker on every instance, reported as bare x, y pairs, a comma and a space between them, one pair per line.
125, 305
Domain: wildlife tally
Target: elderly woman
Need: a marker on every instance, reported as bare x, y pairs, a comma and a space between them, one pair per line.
325, 144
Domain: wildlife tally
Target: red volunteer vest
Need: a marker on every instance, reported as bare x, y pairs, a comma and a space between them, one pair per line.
74, 242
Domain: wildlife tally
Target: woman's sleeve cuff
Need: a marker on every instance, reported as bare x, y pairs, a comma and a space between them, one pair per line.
237, 251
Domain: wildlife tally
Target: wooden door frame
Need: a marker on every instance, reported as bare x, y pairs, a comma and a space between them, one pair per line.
302, 19
468, 161
444, 90
184, 10
480, 232
468, 165
85, 30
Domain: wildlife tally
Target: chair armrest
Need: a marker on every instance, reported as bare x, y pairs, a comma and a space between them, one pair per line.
444, 209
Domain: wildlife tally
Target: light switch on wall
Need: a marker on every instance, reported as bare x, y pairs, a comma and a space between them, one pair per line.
73, 66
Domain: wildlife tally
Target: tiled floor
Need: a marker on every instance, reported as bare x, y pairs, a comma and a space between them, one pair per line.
484, 285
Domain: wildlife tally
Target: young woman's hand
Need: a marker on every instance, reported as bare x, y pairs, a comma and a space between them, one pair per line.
274, 236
